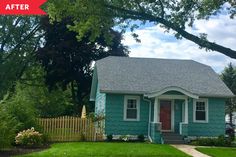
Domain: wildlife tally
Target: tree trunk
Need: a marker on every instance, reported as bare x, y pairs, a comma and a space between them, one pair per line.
73, 92
231, 112
79, 104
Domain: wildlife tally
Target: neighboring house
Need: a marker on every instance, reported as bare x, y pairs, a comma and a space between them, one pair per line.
155, 96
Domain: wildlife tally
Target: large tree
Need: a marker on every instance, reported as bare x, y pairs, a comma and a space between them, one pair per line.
19, 39
68, 62
32, 98
229, 78
98, 16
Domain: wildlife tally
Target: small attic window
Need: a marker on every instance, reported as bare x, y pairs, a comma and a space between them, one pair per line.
131, 108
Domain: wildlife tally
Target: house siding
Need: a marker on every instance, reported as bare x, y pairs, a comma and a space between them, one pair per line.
216, 121
113, 105
114, 119
173, 93
100, 102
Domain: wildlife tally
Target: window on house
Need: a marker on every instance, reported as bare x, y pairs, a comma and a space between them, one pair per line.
201, 110
131, 108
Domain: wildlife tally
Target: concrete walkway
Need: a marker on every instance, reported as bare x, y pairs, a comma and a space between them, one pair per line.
190, 150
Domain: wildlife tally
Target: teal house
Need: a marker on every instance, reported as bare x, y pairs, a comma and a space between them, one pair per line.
163, 99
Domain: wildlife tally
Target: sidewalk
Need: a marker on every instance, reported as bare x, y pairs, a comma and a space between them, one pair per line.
190, 150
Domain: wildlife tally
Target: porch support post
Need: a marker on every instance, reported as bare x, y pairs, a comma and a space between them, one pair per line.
186, 111
155, 132
156, 111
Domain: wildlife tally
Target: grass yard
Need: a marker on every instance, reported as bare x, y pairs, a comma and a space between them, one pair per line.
218, 151
102, 149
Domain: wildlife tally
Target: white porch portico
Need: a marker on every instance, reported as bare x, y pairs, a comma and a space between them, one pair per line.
162, 111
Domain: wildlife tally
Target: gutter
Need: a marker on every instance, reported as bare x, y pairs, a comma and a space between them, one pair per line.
149, 121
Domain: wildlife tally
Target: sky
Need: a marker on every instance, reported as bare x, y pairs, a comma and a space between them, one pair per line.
157, 44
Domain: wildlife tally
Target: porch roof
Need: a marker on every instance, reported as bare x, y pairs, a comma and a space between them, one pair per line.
149, 75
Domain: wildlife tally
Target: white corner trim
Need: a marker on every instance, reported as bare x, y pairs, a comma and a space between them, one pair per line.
137, 98
206, 107
94, 85
149, 117
183, 109
186, 111
156, 116
181, 127
171, 88
172, 115
91, 99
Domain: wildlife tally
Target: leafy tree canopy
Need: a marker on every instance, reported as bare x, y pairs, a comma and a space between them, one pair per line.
32, 98
229, 78
98, 16
68, 62
19, 38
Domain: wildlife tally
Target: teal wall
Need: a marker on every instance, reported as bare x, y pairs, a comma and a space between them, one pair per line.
114, 120
178, 114
152, 111
216, 121
116, 125
155, 133
173, 93
184, 129
100, 102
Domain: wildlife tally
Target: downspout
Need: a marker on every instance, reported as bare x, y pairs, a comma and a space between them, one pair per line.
149, 121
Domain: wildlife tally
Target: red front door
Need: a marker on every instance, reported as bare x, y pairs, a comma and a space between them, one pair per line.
165, 114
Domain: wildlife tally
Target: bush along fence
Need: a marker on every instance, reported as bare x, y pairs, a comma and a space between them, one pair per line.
71, 129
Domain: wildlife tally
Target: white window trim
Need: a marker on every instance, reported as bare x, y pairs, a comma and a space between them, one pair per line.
137, 98
194, 110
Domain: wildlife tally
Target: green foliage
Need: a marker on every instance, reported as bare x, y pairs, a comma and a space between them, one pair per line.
96, 117
29, 138
124, 138
82, 136
67, 61
229, 78
98, 16
21, 108
220, 141
32, 99
109, 137
8, 127
141, 138
19, 38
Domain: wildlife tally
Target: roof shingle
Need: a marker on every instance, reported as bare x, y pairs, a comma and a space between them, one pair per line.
145, 75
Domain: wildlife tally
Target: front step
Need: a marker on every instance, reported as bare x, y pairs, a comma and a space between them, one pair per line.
172, 138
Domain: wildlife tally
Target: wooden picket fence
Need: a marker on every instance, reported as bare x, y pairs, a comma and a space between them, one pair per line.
71, 129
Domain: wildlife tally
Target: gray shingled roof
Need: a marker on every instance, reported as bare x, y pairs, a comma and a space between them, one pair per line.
145, 75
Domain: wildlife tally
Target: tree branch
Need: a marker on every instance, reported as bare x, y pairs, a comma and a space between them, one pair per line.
162, 8
7, 34
202, 43
33, 31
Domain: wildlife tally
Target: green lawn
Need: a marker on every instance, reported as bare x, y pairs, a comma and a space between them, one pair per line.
218, 151
102, 149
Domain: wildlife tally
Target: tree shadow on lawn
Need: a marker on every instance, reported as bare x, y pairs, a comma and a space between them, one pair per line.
20, 151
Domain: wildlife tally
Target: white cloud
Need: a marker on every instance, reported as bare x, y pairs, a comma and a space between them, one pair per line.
156, 44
